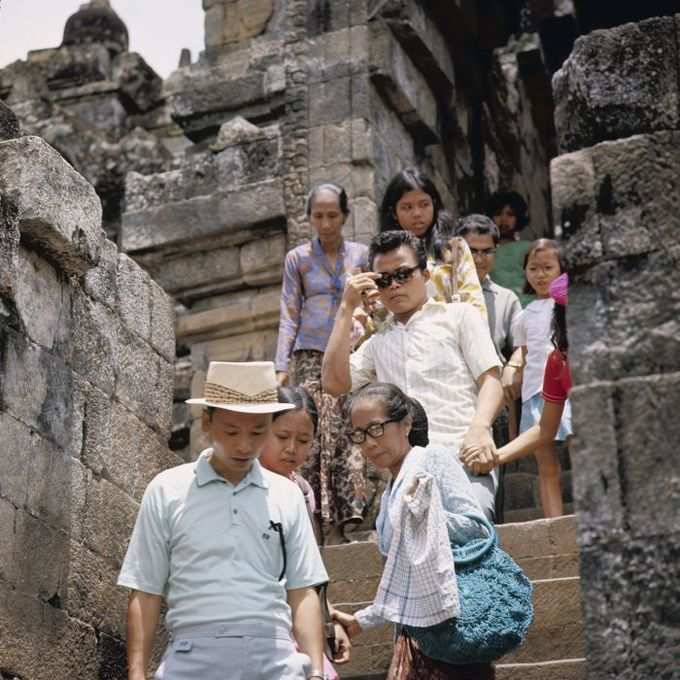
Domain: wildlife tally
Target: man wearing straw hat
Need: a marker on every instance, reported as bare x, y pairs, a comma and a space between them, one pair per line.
230, 548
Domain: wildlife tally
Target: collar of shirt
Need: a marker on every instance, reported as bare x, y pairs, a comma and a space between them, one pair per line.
206, 473
488, 284
430, 304
319, 251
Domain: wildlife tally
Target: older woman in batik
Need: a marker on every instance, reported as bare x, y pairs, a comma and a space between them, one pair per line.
313, 281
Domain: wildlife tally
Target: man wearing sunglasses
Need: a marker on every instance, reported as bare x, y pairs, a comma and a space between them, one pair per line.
441, 354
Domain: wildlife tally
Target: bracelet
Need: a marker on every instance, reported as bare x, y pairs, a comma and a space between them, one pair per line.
321, 676
513, 365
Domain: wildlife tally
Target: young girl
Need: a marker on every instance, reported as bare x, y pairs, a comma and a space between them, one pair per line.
290, 441
413, 203
287, 447
556, 387
542, 265
313, 280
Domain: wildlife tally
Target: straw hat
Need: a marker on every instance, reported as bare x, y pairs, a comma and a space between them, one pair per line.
245, 387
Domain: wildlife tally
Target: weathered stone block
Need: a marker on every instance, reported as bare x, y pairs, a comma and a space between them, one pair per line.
248, 162
94, 426
91, 594
134, 296
136, 453
574, 197
242, 316
59, 211
100, 282
162, 322
139, 84
262, 260
108, 520
618, 198
40, 558
42, 299
398, 79
423, 41
9, 125
27, 624
618, 83
330, 101
191, 276
47, 405
631, 590
197, 176
94, 342
619, 328
13, 465
649, 461
557, 631
144, 381
236, 131
7, 565
208, 215
519, 491
217, 96
48, 494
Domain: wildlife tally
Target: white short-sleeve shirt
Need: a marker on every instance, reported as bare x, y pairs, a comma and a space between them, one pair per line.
532, 330
435, 357
210, 549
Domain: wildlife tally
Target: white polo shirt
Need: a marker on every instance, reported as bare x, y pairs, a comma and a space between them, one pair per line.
435, 357
208, 546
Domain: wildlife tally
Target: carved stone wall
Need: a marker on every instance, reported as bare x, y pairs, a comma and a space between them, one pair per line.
616, 190
98, 104
86, 382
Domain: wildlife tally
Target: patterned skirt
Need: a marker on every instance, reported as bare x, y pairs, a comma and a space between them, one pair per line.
335, 468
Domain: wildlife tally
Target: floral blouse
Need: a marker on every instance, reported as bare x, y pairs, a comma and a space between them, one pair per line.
468, 287
311, 294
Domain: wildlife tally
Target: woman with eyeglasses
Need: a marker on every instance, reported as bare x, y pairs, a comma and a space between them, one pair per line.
382, 418
413, 203
314, 276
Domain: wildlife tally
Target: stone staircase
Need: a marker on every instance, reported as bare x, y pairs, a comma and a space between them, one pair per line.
546, 550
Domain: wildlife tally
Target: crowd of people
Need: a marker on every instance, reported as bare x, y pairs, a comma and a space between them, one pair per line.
436, 354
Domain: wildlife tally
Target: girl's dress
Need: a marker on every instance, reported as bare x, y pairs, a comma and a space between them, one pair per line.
532, 329
310, 296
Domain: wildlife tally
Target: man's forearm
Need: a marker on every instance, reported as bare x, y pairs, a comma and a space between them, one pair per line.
142, 622
335, 374
307, 625
489, 399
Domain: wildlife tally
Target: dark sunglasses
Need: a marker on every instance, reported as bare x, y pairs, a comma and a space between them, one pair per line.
402, 275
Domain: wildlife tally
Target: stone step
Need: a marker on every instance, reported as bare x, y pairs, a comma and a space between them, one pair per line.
563, 669
544, 548
557, 630
556, 633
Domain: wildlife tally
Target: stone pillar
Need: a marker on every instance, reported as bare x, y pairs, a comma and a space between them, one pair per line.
616, 190
86, 382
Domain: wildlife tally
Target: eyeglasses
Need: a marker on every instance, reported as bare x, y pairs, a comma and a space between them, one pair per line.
487, 252
376, 430
402, 275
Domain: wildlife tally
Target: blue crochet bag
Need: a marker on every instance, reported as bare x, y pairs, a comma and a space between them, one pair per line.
496, 606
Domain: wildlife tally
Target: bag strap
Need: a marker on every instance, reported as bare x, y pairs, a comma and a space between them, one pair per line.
475, 550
